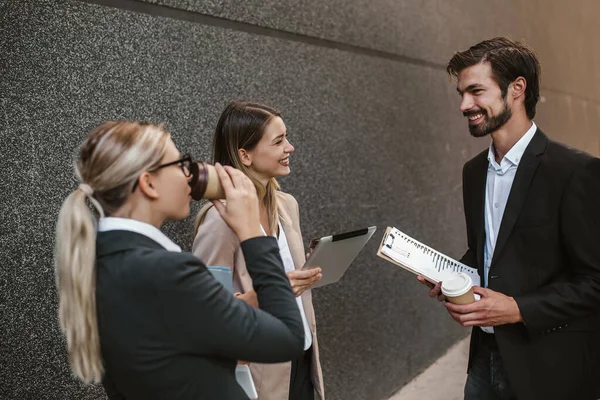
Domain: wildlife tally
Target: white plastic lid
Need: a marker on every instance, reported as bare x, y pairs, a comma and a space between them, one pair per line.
459, 284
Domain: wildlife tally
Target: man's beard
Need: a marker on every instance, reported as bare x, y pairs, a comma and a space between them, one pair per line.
489, 124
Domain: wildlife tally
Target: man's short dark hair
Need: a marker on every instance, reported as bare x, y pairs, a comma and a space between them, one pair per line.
509, 60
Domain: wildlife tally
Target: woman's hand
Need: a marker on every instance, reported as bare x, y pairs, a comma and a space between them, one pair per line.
241, 212
249, 297
302, 280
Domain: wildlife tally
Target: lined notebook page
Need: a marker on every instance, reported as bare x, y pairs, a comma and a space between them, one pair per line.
422, 259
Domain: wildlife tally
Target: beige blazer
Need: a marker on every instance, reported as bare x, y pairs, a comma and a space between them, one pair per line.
217, 245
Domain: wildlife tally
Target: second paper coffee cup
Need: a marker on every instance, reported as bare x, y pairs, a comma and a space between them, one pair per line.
459, 289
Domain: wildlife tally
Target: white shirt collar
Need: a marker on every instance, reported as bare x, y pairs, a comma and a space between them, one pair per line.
515, 154
132, 225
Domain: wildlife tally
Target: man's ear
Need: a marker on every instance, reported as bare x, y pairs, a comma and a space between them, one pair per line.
245, 157
147, 185
518, 87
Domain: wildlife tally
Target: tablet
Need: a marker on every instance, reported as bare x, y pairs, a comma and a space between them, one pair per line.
334, 254
223, 276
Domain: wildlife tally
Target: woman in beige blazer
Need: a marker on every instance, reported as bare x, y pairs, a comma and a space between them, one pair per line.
253, 138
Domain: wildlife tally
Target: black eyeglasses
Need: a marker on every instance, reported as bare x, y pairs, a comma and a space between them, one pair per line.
185, 163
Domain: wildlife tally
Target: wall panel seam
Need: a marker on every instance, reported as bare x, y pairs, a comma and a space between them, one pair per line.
224, 23
211, 20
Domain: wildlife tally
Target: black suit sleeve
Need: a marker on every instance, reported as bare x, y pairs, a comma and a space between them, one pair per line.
559, 303
204, 318
470, 257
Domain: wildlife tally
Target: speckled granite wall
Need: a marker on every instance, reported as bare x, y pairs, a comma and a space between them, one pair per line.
374, 120
564, 34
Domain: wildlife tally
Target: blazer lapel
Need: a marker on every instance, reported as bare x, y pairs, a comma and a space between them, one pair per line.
519, 190
480, 179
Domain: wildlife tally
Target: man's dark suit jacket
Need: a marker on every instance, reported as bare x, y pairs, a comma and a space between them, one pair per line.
547, 257
169, 330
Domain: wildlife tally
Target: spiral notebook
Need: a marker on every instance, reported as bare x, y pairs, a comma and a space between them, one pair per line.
400, 249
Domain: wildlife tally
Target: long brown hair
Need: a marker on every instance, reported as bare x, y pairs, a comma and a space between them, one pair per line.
241, 126
110, 161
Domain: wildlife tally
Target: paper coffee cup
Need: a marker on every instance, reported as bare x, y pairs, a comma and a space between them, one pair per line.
459, 289
205, 182
214, 190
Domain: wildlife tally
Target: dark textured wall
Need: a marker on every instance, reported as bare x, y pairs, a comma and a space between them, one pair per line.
373, 117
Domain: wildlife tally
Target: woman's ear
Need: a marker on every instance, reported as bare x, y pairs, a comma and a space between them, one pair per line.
146, 184
245, 157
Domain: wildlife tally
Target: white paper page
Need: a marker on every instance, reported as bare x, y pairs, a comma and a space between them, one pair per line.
423, 259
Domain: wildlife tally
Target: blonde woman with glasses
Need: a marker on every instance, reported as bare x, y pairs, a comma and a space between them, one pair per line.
147, 320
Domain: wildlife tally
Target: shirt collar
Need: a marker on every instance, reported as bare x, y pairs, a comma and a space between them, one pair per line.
515, 154
132, 225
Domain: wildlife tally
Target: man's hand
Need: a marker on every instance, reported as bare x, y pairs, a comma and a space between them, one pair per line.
493, 309
434, 290
302, 280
